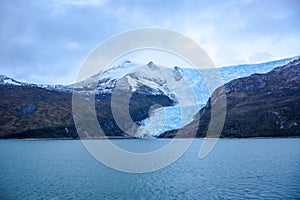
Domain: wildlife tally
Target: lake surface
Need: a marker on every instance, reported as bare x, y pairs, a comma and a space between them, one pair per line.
235, 169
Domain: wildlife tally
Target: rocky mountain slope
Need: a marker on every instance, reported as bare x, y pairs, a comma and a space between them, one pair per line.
261, 105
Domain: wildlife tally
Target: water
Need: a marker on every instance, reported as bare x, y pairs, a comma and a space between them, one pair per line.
235, 169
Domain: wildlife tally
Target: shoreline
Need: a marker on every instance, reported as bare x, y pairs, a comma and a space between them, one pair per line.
150, 138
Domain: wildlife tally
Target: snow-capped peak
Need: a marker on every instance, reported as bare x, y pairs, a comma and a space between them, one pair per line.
6, 80
151, 65
156, 80
118, 71
178, 73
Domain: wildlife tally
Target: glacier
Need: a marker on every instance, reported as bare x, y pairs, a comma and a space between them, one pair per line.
174, 117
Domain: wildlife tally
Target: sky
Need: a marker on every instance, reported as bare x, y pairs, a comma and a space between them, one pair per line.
46, 41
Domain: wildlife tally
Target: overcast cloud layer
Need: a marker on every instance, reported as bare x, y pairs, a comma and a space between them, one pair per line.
46, 41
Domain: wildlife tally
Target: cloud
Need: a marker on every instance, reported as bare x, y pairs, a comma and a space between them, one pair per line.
82, 2
48, 40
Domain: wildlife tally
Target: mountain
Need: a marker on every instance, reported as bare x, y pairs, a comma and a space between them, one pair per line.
106, 79
40, 110
161, 80
109, 78
33, 112
4, 80
172, 115
150, 79
260, 105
